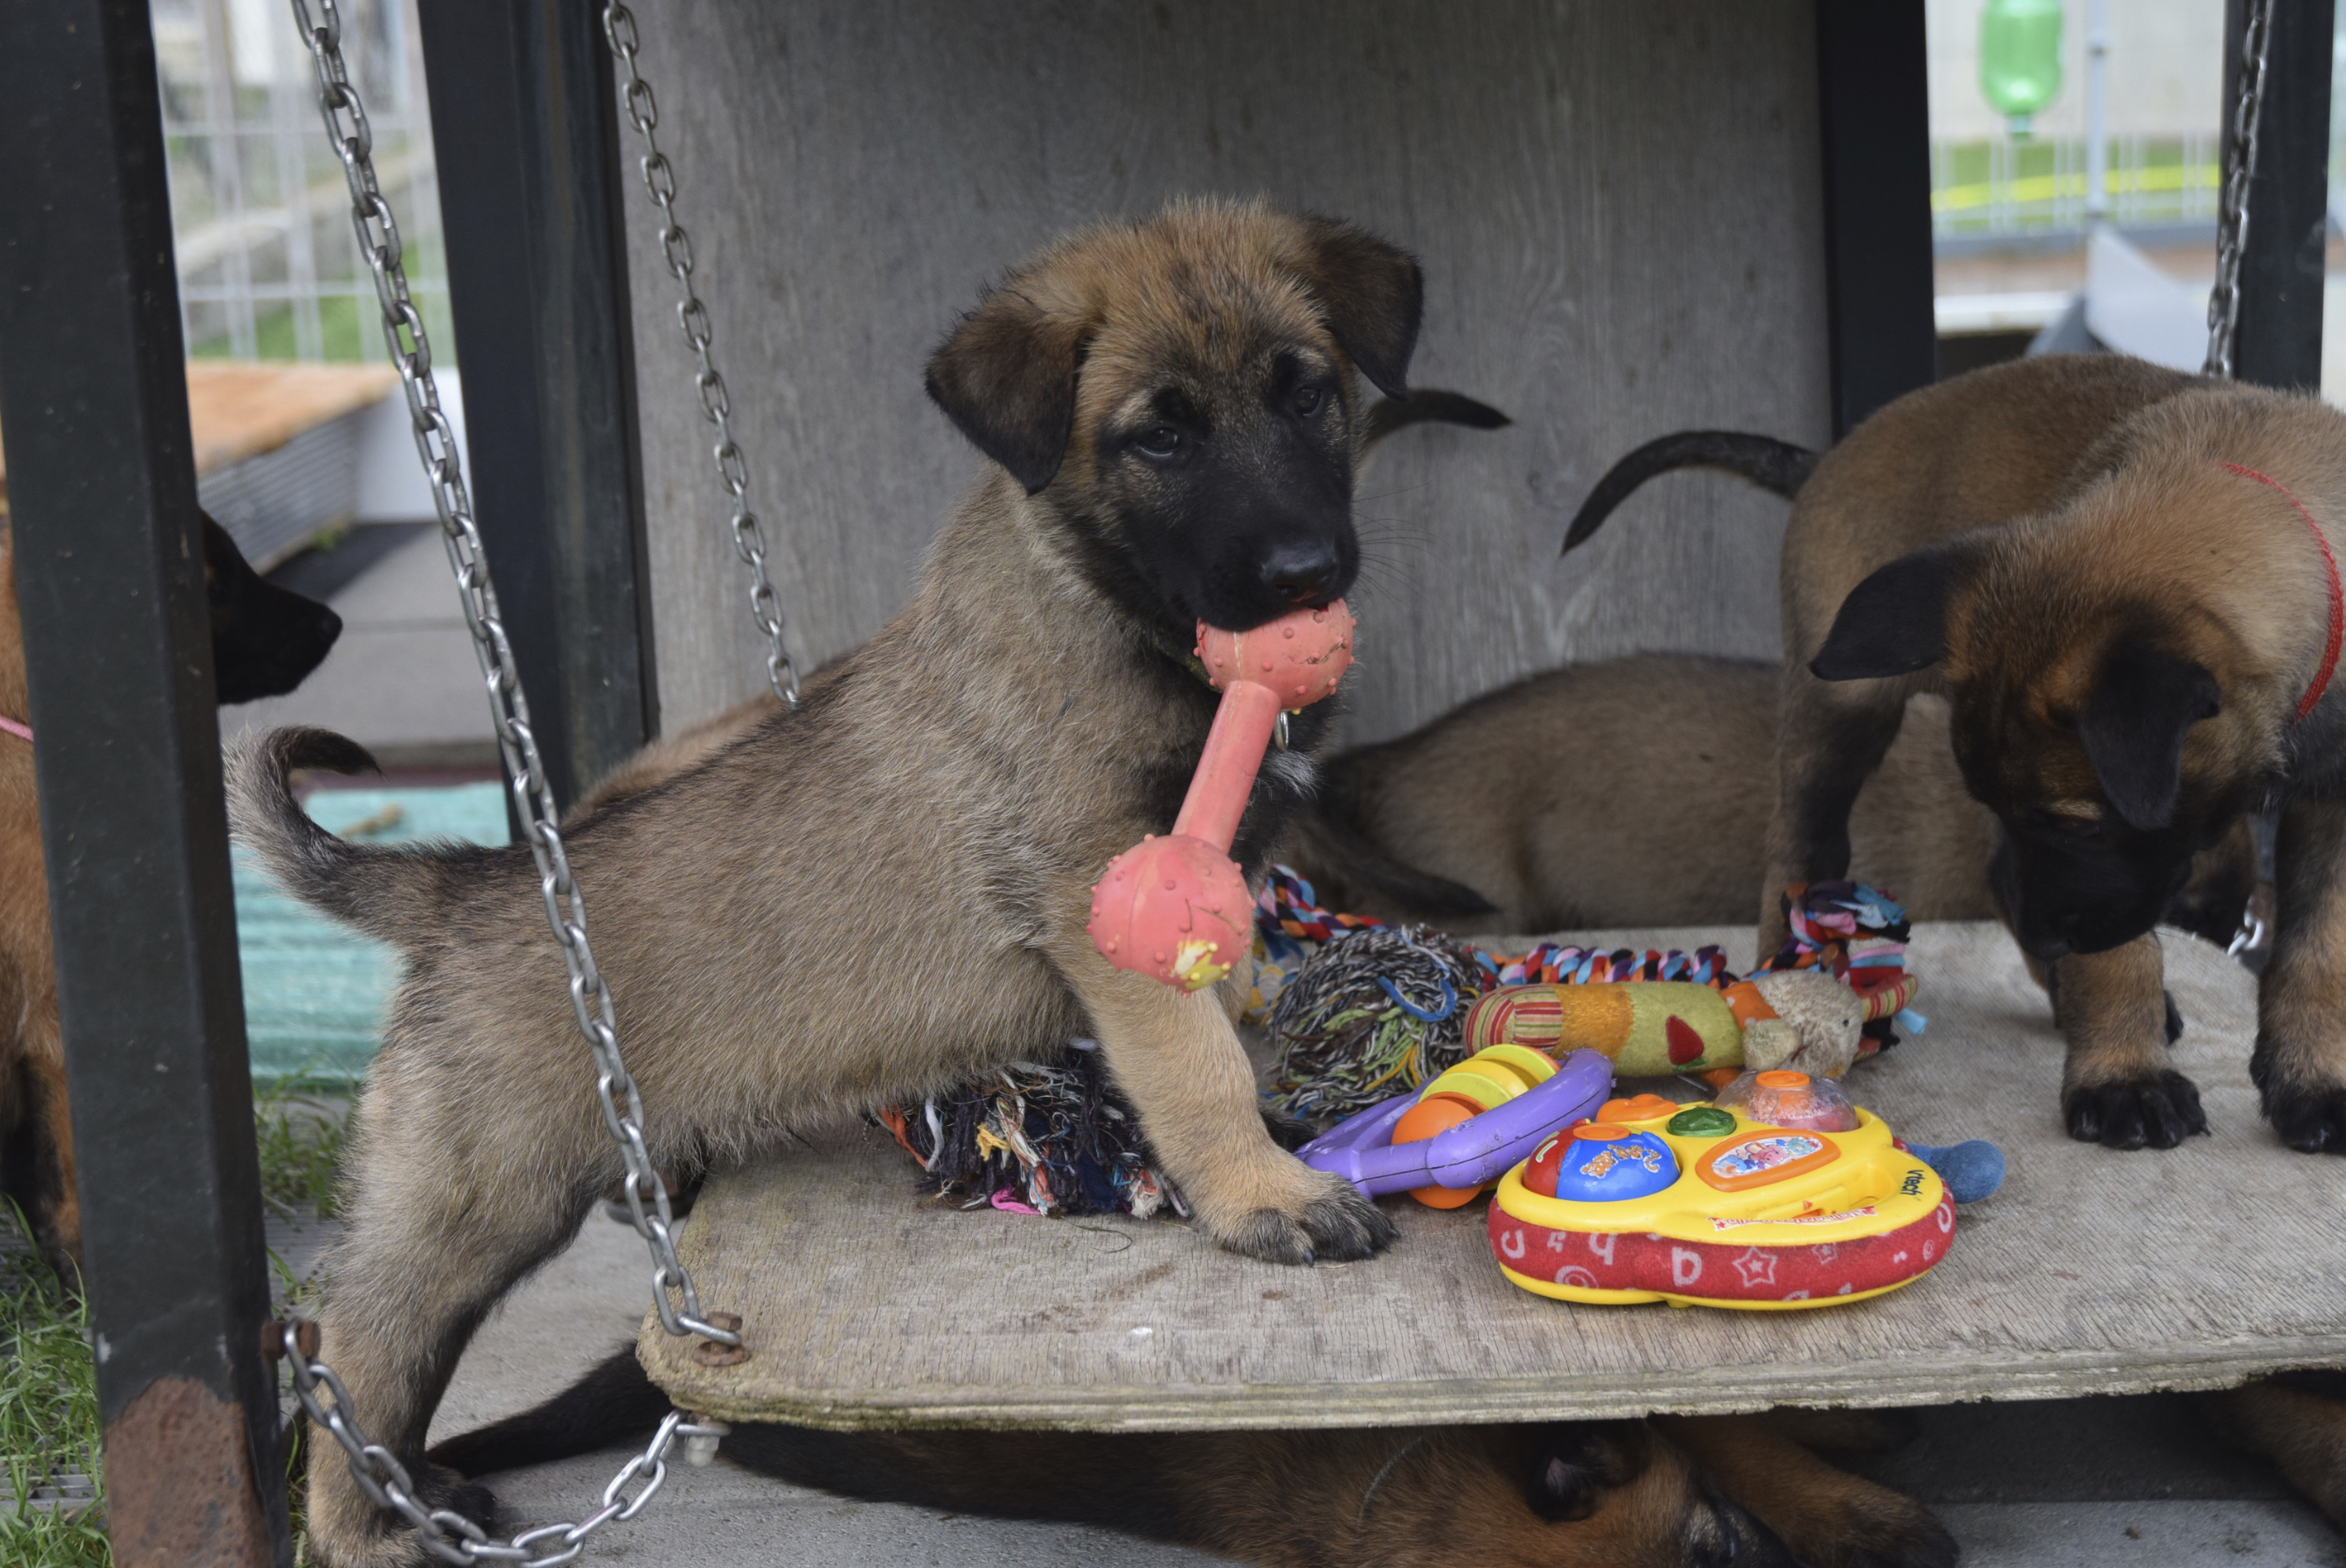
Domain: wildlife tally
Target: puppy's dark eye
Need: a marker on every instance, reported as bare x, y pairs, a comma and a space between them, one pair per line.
1308, 401
1160, 443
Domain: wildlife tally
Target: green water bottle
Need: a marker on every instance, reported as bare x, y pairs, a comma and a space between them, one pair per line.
2020, 58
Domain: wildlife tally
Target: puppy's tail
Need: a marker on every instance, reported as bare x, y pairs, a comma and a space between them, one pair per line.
387, 891
615, 1402
1772, 465
1430, 406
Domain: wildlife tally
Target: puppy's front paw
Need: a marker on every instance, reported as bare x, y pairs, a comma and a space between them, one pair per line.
2311, 1121
2156, 1111
1334, 1226
357, 1534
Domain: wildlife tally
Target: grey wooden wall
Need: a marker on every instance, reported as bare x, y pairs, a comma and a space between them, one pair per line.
1617, 206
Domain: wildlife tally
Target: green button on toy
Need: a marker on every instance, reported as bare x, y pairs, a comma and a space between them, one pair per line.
1702, 1121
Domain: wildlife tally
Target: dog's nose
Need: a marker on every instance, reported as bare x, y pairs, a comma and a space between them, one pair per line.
1301, 571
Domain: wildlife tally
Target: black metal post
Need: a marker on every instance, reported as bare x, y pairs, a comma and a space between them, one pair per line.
2279, 341
109, 579
523, 113
1874, 104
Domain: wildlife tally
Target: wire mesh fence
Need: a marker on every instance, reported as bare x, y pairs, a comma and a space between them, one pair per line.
268, 267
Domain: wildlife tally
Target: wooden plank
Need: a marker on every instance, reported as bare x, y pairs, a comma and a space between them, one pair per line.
239, 408
2089, 1272
242, 408
1618, 207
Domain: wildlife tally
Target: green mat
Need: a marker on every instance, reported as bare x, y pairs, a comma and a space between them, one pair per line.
314, 990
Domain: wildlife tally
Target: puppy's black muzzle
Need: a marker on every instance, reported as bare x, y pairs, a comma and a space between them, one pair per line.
2062, 900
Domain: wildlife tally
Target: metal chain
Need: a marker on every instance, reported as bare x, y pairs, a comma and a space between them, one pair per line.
2232, 237
449, 1536
378, 1472
676, 249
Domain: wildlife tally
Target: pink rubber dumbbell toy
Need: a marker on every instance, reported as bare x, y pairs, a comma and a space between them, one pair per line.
1176, 907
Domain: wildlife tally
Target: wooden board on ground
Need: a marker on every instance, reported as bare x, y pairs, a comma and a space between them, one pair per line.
2089, 1272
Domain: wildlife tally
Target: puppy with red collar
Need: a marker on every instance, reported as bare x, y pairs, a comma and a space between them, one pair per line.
2123, 578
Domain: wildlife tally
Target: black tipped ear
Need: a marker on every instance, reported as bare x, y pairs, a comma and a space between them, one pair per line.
1895, 622
1568, 1468
1372, 295
2134, 726
1007, 379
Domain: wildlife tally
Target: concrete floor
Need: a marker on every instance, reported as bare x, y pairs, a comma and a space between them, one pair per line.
2125, 1482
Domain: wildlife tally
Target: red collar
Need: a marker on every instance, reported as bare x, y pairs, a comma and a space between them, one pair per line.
22, 732
2338, 598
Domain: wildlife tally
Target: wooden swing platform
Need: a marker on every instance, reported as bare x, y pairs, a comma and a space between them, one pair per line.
2089, 1272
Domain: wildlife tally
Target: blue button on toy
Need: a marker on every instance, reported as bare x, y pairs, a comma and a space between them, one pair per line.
1599, 1162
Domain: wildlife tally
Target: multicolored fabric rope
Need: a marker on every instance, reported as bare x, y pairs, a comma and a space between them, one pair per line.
1331, 987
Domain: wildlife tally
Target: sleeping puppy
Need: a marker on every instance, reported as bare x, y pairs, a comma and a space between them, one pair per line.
1700, 1492
1483, 816
2122, 579
265, 640
1172, 415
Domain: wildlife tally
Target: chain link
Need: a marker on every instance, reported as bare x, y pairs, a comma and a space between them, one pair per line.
716, 403
2240, 160
380, 1474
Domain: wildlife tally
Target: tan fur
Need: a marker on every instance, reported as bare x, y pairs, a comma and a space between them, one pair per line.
32, 1052
1633, 792
1637, 792
952, 791
2298, 1421
2097, 477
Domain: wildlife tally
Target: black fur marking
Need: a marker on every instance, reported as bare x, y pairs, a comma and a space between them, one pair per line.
2155, 1112
266, 640
1894, 622
1007, 379
2175, 1018
616, 1402
2309, 1117
2133, 727
1569, 1469
1373, 296
1428, 405
1777, 466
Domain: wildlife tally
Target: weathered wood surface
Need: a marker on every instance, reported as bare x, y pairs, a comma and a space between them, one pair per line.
1618, 207
2089, 1272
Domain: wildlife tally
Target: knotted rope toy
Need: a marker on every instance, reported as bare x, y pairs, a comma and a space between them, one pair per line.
1176, 908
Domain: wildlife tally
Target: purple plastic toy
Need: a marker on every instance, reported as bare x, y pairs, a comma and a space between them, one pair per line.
1361, 1149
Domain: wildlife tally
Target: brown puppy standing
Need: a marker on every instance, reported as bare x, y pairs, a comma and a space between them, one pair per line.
2084, 554
264, 640
1174, 422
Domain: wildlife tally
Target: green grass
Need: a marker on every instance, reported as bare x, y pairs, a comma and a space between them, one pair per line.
302, 1131
48, 1412
48, 1384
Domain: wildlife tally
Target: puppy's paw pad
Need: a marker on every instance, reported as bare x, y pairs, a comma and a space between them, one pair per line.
2158, 1111
1345, 1225
2311, 1121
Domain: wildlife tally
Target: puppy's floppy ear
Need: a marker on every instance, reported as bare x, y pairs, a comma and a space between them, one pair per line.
1895, 622
1372, 295
2144, 703
1568, 1467
1007, 379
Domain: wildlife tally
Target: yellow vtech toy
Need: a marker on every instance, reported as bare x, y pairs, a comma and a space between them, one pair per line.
1723, 1205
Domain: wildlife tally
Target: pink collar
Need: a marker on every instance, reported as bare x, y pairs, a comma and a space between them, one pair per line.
2338, 598
22, 732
